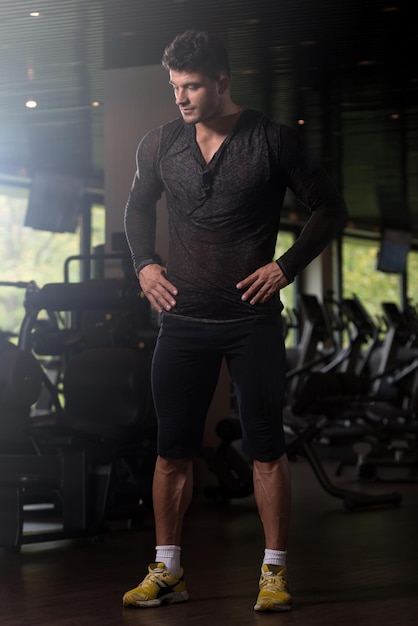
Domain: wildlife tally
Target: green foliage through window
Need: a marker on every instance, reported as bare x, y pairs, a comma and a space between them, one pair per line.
28, 255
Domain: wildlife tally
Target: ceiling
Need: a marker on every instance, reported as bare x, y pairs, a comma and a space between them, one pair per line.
348, 69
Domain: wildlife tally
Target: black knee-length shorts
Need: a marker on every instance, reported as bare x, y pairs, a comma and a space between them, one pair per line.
185, 371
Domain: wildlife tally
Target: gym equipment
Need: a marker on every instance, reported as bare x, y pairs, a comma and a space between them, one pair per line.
368, 403
98, 425
316, 346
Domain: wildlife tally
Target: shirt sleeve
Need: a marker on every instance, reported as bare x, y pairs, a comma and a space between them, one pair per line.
314, 188
140, 210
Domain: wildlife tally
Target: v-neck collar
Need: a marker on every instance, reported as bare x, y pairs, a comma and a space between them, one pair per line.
215, 158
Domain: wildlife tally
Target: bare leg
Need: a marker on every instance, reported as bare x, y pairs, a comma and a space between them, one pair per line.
172, 491
272, 490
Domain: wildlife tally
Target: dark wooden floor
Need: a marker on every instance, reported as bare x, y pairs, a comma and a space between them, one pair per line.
347, 568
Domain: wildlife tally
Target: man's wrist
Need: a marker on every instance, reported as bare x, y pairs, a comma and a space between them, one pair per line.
143, 264
286, 275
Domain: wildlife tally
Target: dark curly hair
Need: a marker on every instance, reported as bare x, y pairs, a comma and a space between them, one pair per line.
197, 51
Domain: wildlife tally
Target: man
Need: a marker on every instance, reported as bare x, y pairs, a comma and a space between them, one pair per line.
224, 171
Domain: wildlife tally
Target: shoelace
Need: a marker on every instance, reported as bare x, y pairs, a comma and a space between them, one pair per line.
273, 580
152, 577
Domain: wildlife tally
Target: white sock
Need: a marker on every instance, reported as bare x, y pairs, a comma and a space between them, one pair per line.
275, 557
170, 556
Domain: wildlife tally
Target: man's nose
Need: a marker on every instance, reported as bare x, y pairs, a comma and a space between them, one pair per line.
181, 97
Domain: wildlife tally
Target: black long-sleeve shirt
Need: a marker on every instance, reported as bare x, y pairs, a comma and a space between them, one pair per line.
224, 216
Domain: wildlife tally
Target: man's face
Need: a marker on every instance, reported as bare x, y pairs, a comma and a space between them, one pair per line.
197, 96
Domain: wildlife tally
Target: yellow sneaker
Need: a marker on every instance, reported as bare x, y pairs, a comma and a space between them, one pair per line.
158, 587
274, 594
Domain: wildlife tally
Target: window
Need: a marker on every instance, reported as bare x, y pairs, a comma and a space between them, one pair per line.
361, 278
412, 271
31, 255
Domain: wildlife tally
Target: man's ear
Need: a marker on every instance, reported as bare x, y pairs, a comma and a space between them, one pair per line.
224, 84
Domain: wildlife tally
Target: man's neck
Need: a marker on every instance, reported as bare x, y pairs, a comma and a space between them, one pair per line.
210, 135
220, 126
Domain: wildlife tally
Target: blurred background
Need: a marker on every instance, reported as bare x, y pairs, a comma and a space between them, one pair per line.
345, 74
